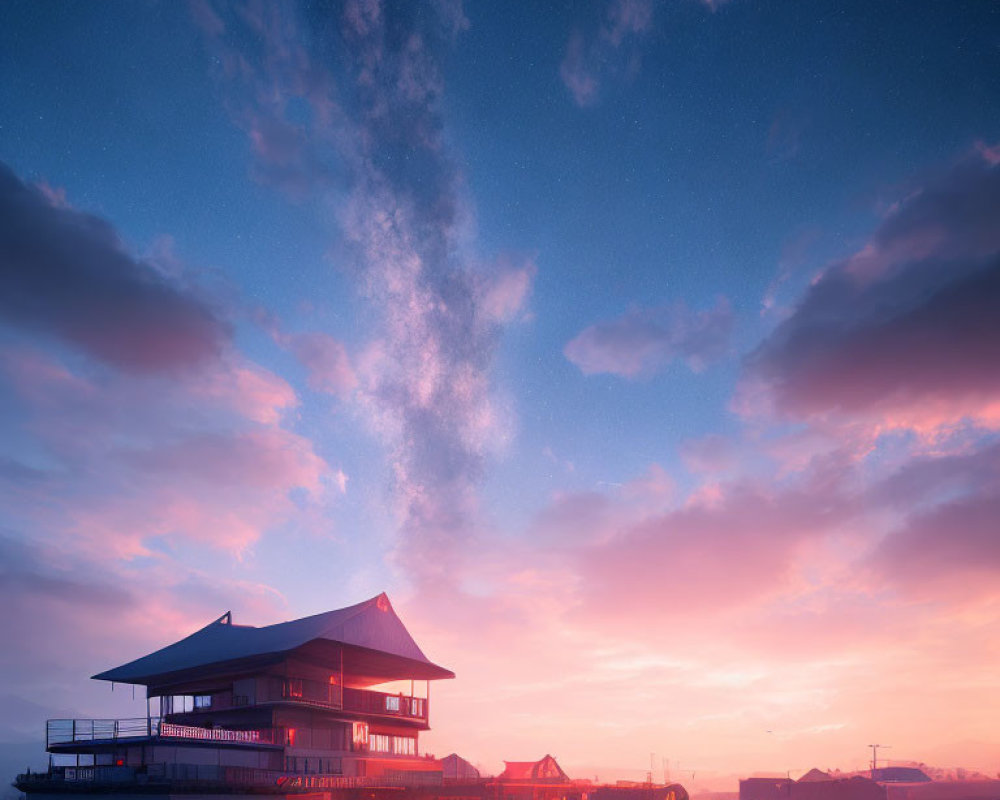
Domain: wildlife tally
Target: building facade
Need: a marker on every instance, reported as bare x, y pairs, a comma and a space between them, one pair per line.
334, 699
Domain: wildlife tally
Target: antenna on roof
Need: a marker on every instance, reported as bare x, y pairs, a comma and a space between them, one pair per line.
226, 619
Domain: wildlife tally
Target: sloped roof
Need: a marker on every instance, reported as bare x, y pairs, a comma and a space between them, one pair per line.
372, 626
900, 775
545, 770
815, 774
455, 767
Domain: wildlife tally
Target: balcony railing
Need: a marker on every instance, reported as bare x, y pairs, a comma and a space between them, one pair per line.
301, 690
393, 705
71, 731
363, 701
211, 776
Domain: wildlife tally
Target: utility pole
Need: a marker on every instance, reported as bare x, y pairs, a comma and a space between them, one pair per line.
875, 748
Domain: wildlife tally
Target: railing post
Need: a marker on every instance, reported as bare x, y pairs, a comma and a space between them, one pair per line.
74, 731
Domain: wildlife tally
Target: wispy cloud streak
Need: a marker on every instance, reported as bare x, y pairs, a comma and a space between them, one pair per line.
424, 382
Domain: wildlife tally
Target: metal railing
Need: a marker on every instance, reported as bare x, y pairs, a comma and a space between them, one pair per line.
393, 705
70, 731
67, 731
327, 695
212, 775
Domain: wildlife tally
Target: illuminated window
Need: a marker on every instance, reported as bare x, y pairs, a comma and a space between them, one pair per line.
202, 701
360, 735
293, 687
404, 746
392, 703
379, 743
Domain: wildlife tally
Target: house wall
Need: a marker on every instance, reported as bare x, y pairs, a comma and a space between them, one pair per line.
208, 756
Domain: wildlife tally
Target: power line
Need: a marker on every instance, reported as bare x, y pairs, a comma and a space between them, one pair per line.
875, 748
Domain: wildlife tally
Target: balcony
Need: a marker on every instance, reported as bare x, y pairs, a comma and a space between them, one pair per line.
359, 701
63, 733
364, 701
300, 691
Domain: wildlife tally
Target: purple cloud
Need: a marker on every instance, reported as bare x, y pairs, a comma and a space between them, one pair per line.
644, 341
907, 330
66, 273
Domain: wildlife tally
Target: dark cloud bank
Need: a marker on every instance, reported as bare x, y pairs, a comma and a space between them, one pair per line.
65, 273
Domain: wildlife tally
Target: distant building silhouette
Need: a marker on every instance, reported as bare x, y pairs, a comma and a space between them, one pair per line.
545, 770
456, 768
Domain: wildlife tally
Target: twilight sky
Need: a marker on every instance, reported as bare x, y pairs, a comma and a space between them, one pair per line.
646, 353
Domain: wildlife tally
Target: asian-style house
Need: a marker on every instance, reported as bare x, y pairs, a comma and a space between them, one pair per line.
284, 705
330, 705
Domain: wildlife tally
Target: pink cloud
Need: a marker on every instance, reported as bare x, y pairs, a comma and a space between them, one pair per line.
627, 18
711, 454
129, 461
215, 491
575, 73
246, 388
503, 296
990, 153
644, 341
611, 51
325, 359
253, 460
736, 550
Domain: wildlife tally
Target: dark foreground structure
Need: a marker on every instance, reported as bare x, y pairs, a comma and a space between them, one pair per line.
330, 705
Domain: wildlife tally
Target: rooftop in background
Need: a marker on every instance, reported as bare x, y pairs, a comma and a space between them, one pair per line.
815, 774
378, 646
900, 775
545, 770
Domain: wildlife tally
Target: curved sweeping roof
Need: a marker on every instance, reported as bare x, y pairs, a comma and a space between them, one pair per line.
379, 645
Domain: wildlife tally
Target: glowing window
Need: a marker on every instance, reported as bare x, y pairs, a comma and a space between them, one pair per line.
360, 734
